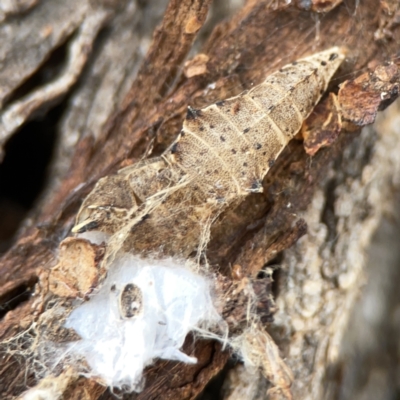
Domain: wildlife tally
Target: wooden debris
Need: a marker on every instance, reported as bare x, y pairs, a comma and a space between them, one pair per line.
360, 99
78, 271
323, 126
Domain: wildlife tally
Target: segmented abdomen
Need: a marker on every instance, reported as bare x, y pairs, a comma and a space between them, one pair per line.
229, 146
167, 205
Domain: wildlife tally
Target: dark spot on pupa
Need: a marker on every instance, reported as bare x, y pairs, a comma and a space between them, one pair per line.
192, 113
220, 103
222, 138
321, 91
88, 227
270, 108
291, 89
233, 151
281, 70
113, 288
145, 216
333, 56
256, 185
286, 129
211, 126
258, 146
182, 133
271, 162
246, 130
174, 148
294, 63
201, 128
245, 164
323, 63
264, 153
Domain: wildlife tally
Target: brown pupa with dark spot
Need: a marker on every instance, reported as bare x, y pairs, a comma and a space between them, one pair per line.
182, 198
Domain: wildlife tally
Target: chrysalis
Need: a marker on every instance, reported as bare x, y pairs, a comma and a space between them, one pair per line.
166, 205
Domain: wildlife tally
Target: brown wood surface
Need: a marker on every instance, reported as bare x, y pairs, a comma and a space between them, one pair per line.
241, 51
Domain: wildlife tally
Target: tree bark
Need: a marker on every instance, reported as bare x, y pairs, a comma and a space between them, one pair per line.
117, 112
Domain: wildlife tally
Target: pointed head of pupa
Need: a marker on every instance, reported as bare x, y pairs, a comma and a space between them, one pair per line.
328, 61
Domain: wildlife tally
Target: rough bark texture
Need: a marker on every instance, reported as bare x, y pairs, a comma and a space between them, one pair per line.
117, 112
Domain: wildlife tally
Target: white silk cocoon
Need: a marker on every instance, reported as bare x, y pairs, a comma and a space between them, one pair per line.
175, 301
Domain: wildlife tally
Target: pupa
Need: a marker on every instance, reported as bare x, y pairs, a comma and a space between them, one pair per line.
166, 205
